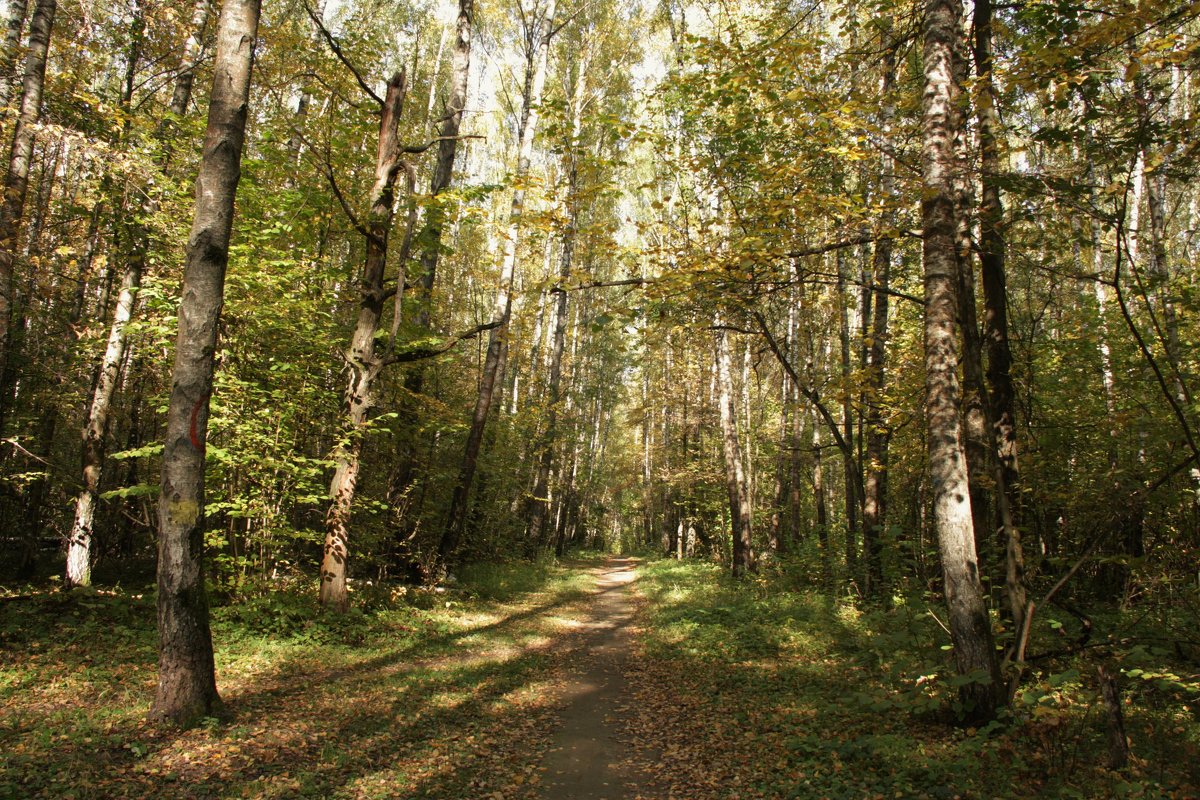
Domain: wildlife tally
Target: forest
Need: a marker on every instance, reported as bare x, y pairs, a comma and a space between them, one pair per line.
816, 378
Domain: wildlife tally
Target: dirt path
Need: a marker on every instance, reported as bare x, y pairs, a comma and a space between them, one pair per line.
586, 761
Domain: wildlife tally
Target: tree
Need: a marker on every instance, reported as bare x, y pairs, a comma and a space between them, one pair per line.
99, 409
16, 184
363, 359
735, 478
539, 28
969, 625
187, 686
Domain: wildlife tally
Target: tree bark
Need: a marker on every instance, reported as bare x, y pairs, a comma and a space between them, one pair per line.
10, 50
430, 237
992, 259
877, 434
362, 361
540, 500
443, 171
735, 478
850, 472
969, 625
538, 43
187, 682
99, 409
16, 185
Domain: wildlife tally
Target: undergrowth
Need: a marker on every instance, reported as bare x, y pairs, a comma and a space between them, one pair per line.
796, 694
380, 702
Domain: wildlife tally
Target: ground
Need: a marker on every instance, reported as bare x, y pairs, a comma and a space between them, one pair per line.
591, 679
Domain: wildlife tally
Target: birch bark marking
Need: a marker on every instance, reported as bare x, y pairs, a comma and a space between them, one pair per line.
535, 80
362, 361
16, 183
969, 625
187, 686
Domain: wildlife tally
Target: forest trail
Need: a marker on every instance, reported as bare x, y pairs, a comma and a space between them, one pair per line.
585, 761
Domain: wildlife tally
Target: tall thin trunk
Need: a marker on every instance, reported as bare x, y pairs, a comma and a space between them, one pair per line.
96, 418
538, 43
849, 465
187, 686
362, 361
16, 185
443, 171
993, 253
540, 499
435, 222
877, 434
192, 48
969, 625
819, 507
735, 478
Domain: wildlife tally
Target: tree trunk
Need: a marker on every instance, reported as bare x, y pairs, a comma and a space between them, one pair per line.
735, 479
992, 250
877, 434
969, 625
849, 466
187, 686
10, 50
96, 417
16, 184
541, 486
362, 361
538, 43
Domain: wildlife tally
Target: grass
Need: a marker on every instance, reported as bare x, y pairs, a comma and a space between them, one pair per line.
754, 691
433, 694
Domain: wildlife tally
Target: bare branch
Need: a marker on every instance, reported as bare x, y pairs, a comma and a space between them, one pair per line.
421, 148
422, 353
337, 51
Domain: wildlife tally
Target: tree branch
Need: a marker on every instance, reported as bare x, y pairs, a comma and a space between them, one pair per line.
337, 51
422, 353
414, 149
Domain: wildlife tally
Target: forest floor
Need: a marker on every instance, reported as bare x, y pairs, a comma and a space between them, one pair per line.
615, 678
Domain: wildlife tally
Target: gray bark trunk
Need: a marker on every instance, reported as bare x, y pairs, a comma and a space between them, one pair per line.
362, 361
540, 500
187, 682
877, 434
970, 628
11, 48
993, 254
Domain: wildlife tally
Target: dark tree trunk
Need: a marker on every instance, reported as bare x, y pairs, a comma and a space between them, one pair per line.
969, 624
992, 256
877, 435
187, 686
